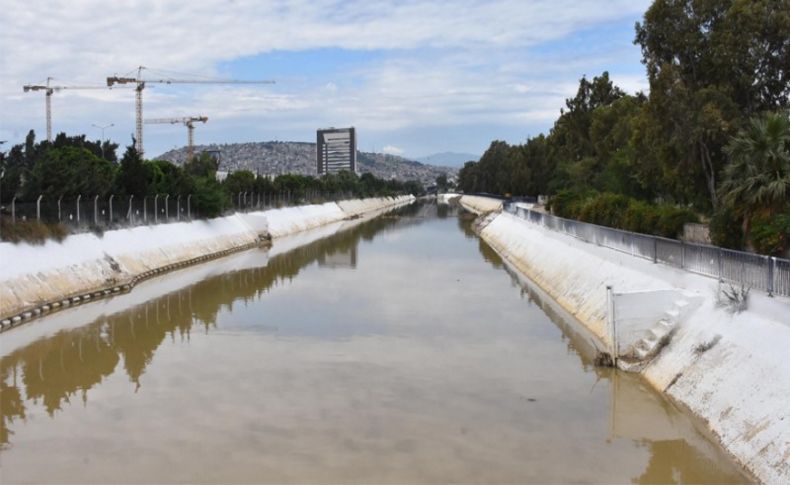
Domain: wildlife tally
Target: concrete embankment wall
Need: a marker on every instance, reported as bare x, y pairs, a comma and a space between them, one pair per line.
730, 370
480, 205
39, 278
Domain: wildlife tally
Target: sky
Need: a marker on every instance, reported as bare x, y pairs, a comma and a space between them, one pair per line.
414, 77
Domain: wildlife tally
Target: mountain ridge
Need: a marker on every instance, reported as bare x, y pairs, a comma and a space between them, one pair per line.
448, 159
280, 157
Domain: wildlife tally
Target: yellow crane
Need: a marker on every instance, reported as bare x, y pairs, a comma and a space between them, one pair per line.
140, 83
49, 89
189, 122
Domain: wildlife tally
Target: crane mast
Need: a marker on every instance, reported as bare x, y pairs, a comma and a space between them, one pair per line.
140, 83
189, 122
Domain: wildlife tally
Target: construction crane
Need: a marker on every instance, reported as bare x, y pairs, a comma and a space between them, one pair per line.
189, 122
140, 83
48, 91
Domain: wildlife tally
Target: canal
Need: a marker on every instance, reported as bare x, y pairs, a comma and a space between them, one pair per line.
396, 350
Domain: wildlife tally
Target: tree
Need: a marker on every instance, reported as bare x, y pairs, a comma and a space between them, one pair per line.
711, 64
239, 181
69, 171
441, 183
134, 177
757, 176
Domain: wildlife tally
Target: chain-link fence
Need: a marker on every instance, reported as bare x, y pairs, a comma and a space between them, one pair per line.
751, 270
85, 213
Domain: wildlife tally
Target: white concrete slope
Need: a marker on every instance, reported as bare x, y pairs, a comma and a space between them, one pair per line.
730, 370
480, 205
34, 277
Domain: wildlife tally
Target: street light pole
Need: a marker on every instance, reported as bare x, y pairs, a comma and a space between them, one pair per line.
102, 128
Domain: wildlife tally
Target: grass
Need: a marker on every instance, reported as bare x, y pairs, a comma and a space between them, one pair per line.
32, 232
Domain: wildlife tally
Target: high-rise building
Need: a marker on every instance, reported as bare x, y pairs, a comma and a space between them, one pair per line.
336, 150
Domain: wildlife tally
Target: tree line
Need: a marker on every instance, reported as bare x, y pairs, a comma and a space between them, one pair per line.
73, 165
710, 141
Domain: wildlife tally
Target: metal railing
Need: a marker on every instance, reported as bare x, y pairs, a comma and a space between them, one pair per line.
765, 273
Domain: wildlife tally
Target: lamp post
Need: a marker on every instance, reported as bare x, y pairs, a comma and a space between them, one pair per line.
102, 128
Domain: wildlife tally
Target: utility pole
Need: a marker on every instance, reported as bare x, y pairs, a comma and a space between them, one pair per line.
102, 128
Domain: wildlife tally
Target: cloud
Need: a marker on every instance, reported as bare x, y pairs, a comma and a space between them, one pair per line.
432, 64
392, 150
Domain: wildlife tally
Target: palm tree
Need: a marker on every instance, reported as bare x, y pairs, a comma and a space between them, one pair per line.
757, 175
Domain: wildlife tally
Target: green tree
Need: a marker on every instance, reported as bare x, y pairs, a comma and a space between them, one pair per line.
757, 176
711, 64
134, 176
69, 171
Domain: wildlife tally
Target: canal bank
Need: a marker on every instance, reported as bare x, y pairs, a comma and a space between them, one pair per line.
38, 279
728, 369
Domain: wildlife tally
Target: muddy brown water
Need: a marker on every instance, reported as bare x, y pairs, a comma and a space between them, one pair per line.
400, 350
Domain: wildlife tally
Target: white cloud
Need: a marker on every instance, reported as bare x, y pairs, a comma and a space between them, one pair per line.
392, 150
447, 63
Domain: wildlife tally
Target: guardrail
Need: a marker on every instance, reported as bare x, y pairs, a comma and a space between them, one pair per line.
765, 273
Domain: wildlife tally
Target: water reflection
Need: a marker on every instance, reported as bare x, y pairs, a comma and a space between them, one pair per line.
55, 370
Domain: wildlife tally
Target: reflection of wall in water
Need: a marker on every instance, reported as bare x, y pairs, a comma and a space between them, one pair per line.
340, 259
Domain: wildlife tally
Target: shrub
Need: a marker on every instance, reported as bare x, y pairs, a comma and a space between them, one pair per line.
566, 203
726, 229
671, 220
769, 235
605, 209
640, 217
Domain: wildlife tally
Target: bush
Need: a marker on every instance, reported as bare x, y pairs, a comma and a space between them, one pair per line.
605, 209
769, 235
567, 203
640, 217
726, 229
622, 212
671, 220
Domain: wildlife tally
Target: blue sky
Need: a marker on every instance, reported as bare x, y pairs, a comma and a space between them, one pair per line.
414, 77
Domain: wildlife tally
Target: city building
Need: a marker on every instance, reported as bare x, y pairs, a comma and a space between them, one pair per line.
336, 150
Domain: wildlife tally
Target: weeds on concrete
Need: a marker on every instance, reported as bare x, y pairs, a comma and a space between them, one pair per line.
706, 346
33, 232
734, 299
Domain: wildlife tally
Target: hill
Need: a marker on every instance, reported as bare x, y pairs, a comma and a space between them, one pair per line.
449, 159
280, 157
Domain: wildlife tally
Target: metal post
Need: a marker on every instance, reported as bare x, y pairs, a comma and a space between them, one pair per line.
771, 262
111, 197
131, 198
145, 209
655, 250
612, 323
38, 208
178, 207
721, 267
167, 209
59, 198
78, 208
189, 212
156, 209
13, 210
682, 255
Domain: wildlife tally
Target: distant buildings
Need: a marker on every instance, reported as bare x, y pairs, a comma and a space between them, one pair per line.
336, 150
